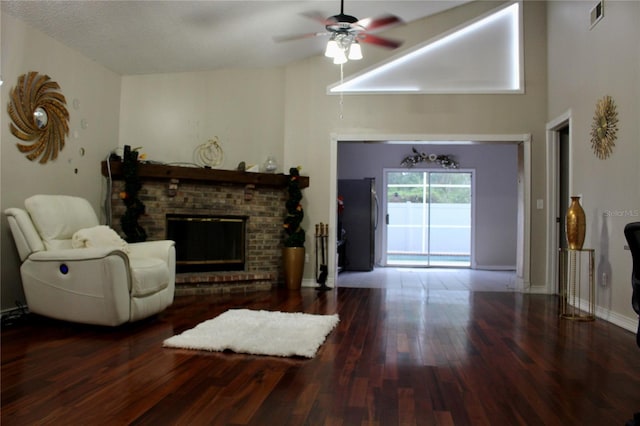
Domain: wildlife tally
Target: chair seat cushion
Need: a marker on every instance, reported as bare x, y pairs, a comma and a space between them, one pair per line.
149, 275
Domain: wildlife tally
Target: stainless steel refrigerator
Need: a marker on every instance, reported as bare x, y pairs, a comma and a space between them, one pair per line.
358, 221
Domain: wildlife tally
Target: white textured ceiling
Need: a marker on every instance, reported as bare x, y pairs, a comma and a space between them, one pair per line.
143, 37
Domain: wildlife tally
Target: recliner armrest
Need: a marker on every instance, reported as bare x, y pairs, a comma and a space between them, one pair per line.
76, 254
159, 249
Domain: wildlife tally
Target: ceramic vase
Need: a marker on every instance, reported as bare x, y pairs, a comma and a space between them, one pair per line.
575, 224
293, 263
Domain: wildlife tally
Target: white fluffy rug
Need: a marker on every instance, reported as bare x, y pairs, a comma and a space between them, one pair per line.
258, 332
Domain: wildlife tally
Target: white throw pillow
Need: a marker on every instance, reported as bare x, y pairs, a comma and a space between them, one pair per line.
98, 236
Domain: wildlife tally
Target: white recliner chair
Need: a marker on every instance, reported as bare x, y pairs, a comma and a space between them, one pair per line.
104, 282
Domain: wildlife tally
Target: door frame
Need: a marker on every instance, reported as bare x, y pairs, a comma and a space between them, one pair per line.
523, 141
472, 172
553, 139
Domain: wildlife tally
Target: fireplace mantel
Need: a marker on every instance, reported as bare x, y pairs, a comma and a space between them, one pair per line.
162, 171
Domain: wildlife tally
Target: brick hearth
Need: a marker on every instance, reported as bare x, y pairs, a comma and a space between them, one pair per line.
184, 190
194, 283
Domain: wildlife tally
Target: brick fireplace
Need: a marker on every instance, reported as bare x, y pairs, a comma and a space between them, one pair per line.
184, 191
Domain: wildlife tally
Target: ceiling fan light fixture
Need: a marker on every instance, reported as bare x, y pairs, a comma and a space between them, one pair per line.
333, 49
348, 32
355, 51
340, 57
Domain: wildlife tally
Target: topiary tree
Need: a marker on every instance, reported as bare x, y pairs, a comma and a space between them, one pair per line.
294, 234
135, 208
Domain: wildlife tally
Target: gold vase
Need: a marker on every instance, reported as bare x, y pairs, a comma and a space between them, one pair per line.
293, 264
575, 224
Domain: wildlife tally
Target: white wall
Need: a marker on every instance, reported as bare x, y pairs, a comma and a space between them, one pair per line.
585, 65
495, 172
97, 91
170, 115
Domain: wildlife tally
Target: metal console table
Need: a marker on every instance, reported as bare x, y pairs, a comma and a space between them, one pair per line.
577, 299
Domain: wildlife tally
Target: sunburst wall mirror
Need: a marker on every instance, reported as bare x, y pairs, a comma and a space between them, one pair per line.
39, 116
604, 128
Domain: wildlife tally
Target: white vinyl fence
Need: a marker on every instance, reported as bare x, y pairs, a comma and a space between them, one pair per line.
409, 227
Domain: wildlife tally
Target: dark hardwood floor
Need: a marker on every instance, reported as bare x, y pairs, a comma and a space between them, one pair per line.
398, 357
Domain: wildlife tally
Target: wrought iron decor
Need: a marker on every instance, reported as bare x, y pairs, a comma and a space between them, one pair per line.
445, 161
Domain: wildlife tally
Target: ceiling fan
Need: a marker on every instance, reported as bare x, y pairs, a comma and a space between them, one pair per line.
347, 32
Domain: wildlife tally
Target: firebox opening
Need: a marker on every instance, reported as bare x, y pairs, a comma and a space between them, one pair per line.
207, 243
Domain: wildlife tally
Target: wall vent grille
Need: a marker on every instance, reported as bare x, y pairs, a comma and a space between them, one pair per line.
597, 13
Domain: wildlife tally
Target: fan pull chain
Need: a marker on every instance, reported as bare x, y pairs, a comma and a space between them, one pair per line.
341, 92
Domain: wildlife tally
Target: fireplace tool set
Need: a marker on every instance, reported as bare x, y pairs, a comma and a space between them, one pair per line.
322, 241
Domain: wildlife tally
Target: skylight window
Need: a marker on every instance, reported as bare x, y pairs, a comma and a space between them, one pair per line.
481, 56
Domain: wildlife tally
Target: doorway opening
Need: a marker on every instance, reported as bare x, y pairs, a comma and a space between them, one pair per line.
558, 191
352, 169
428, 218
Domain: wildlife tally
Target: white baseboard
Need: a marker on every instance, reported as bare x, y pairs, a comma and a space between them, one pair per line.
630, 324
495, 267
310, 282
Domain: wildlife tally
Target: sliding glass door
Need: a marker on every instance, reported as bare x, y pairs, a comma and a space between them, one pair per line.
428, 220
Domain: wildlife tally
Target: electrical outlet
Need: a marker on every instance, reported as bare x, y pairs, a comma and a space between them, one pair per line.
306, 258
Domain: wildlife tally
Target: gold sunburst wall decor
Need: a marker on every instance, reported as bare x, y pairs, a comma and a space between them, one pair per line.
604, 127
39, 114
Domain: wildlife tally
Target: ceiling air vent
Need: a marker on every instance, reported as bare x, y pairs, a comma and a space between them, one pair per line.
597, 13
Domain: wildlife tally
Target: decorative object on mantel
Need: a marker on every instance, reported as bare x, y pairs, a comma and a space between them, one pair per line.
210, 154
135, 208
271, 165
244, 167
604, 127
575, 224
39, 114
293, 251
445, 161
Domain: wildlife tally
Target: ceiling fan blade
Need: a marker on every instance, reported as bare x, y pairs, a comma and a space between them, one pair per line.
372, 24
379, 41
317, 16
280, 39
